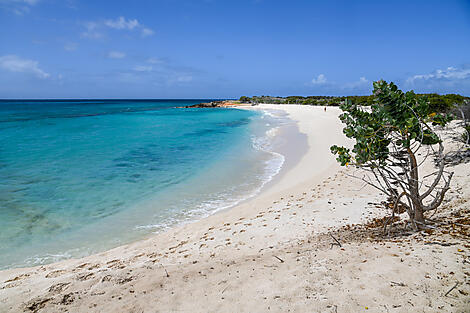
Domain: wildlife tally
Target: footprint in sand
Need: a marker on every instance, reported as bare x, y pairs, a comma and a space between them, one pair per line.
153, 255
58, 288
135, 258
115, 264
55, 274
84, 276
19, 277
36, 304
123, 280
106, 278
83, 265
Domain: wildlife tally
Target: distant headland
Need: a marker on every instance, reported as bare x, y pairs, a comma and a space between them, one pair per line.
219, 104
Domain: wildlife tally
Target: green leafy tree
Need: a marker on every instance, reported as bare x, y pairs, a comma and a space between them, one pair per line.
244, 99
388, 137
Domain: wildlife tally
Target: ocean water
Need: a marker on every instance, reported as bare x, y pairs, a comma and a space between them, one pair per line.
80, 177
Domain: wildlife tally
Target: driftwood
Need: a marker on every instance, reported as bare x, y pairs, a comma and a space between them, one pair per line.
337, 242
444, 244
398, 284
456, 284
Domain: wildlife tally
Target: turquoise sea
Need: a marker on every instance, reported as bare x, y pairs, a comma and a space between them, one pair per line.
79, 177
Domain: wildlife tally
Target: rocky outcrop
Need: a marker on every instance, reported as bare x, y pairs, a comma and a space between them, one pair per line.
212, 104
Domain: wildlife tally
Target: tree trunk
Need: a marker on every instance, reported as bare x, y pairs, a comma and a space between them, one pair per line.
418, 216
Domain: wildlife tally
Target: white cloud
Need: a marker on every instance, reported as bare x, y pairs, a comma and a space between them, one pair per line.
116, 55
449, 74
28, 2
91, 35
95, 30
92, 31
320, 80
14, 63
362, 82
122, 23
71, 46
19, 7
147, 32
143, 68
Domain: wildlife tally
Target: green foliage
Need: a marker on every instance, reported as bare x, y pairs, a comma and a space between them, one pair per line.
395, 118
465, 135
362, 100
444, 103
244, 99
438, 103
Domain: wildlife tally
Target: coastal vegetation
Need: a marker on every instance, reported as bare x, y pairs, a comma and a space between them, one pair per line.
437, 103
393, 137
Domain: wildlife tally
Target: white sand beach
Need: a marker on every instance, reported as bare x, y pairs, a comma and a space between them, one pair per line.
293, 248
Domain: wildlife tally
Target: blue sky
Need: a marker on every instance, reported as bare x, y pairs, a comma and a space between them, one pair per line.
225, 48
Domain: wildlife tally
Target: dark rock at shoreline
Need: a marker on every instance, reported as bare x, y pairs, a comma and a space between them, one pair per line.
212, 104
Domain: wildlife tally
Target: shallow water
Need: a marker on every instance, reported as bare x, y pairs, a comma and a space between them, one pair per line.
79, 177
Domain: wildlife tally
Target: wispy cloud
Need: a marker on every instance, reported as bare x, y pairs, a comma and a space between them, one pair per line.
319, 80
321, 83
153, 65
362, 82
161, 72
449, 74
19, 7
96, 29
116, 55
71, 46
122, 23
14, 63
147, 32
92, 31
155, 61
